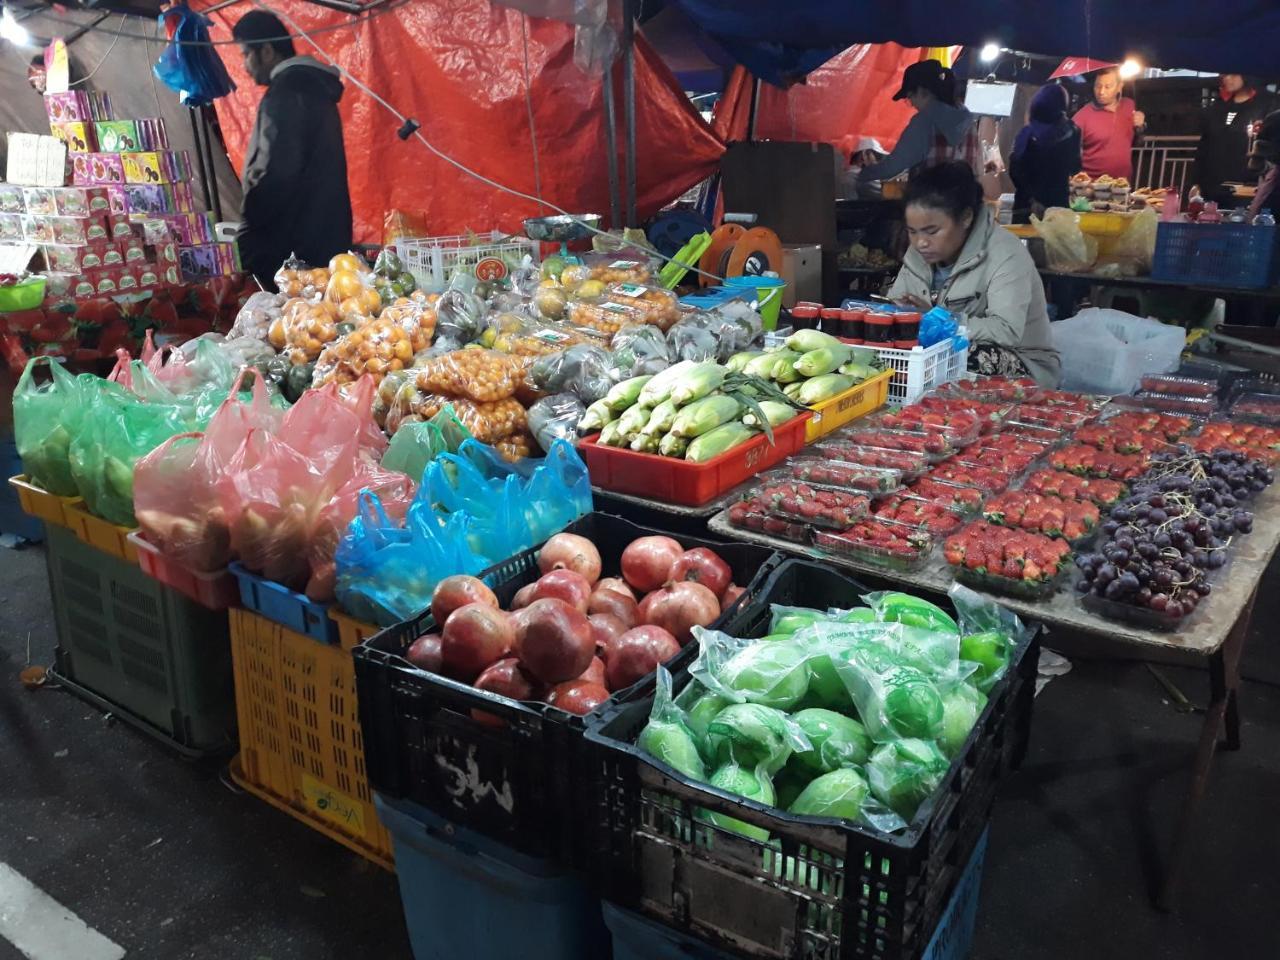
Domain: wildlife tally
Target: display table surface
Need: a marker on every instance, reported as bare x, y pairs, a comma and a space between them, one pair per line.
1150, 283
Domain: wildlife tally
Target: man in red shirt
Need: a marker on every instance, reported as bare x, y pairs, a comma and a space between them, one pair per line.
1109, 127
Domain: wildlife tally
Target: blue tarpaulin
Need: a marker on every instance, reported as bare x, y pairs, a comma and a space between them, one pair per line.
782, 41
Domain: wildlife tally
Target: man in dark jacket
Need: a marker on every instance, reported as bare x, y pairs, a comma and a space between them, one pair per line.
295, 169
1222, 154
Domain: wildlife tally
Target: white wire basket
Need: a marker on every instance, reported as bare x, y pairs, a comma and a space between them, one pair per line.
433, 260
921, 369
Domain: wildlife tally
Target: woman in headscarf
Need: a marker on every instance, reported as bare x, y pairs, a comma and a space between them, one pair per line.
1045, 155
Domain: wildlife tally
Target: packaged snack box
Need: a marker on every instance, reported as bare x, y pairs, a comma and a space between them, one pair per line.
117, 136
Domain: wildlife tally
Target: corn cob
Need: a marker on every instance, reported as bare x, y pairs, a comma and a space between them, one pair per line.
673, 446
697, 383
823, 388
633, 420
704, 415
803, 341
623, 395
776, 413
738, 362
659, 388
644, 444
722, 438
815, 363
660, 419
597, 415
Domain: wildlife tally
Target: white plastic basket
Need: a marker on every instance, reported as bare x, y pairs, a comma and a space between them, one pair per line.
920, 369
432, 260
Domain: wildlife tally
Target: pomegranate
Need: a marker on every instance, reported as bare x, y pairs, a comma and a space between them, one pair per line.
605, 627
730, 596
557, 644
577, 696
595, 673
475, 636
457, 591
679, 608
564, 585
705, 567
636, 654
568, 551
524, 596
506, 679
617, 585
647, 562
424, 653
624, 607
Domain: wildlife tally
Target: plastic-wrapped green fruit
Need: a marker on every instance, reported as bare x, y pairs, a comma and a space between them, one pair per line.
773, 674
826, 689
789, 784
990, 652
787, 620
705, 709
914, 612
744, 782
903, 774
671, 743
858, 615
960, 708
752, 734
837, 740
836, 794
912, 706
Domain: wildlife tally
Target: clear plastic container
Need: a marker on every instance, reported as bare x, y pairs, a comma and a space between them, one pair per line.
991, 416
961, 429
962, 497
1040, 589
1175, 386
910, 465
845, 475
1079, 519
1059, 417
996, 389
750, 515
1143, 617
657, 305
1035, 431
987, 479
1070, 486
1257, 408
935, 446
939, 519
1090, 461
1008, 461
880, 543
819, 506
1167, 403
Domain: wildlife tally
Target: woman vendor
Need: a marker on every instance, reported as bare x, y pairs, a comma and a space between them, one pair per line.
958, 258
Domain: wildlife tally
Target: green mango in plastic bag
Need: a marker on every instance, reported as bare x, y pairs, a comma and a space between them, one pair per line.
989, 651
699, 716
774, 674
826, 689
990, 633
47, 417
666, 737
894, 607
789, 783
836, 741
787, 620
839, 794
754, 735
903, 774
961, 706
754, 784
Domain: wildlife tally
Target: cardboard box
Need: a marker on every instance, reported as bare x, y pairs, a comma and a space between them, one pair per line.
117, 136
40, 201
11, 228
148, 274
12, 198
802, 269
97, 168
37, 229
133, 249
145, 167
81, 201
72, 105
152, 134
76, 134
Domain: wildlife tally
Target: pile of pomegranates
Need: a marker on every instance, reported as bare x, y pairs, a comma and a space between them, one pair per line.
572, 638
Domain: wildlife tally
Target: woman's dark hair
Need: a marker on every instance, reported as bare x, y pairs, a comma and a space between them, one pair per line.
950, 187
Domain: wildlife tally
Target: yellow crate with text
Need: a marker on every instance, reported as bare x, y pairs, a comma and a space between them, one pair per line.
847, 406
110, 538
42, 504
300, 741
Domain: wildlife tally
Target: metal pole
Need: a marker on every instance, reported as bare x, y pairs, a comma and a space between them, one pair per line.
211, 173
755, 106
611, 145
629, 103
204, 177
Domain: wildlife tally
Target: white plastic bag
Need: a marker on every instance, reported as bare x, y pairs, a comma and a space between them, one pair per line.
1109, 351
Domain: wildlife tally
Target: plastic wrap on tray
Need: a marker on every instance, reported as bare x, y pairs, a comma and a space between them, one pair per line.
936, 517
1176, 386
961, 497
991, 415
1090, 461
1058, 417
1169, 426
1005, 461
657, 305
1060, 483
802, 502
910, 465
754, 515
1004, 560
1071, 520
961, 428
875, 481
933, 445
485, 376
987, 479
879, 543
1257, 408
1169, 403
996, 389
1035, 431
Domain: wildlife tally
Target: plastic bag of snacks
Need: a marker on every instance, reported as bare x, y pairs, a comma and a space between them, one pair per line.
379, 347
255, 317
485, 376
46, 418
297, 279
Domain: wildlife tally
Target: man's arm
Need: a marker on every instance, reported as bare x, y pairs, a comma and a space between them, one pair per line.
912, 147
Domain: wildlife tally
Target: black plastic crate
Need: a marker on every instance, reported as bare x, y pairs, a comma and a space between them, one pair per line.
822, 889
522, 784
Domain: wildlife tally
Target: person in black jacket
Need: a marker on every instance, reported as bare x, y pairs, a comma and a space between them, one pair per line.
295, 169
1222, 154
1045, 155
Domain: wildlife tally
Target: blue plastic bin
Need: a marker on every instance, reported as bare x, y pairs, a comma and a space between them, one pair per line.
1235, 255
281, 605
639, 938
466, 896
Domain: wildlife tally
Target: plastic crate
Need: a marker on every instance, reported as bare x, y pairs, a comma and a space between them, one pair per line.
638, 938
818, 888
41, 503
465, 896
217, 590
673, 480
351, 632
301, 746
921, 369
830, 415
1235, 255
433, 260
110, 538
520, 784
284, 606
143, 651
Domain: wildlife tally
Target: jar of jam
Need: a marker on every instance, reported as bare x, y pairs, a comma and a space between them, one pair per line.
804, 317
878, 329
906, 330
831, 317
852, 325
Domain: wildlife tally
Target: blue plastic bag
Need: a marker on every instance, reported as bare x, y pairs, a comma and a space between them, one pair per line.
940, 324
193, 71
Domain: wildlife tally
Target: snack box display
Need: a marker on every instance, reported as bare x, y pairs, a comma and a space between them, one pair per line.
12, 198
117, 136
63, 107
11, 227
76, 134
81, 201
156, 166
37, 229
88, 169
40, 201
208, 260
77, 259
152, 198
152, 134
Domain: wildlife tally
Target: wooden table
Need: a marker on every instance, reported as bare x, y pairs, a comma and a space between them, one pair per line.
1213, 637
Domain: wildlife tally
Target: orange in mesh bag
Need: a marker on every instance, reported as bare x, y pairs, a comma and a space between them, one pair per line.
380, 346
485, 376
488, 422
303, 328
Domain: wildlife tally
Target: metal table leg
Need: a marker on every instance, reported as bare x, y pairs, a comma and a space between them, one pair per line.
1222, 716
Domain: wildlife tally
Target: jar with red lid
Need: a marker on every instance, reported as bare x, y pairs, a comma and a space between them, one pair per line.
831, 317
804, 317
878, 328
853, 325
906, 330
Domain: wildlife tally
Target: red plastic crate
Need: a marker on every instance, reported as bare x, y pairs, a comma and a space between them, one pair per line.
679, 481
217, 591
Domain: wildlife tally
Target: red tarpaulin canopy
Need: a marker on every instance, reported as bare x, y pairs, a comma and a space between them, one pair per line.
459, 67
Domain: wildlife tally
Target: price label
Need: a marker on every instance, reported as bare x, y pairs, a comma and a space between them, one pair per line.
491, 268
629, 289
624, 264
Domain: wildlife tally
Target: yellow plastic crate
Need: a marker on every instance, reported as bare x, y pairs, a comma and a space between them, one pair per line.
830, 415
108, 537
42, 504
351, 631
301, 748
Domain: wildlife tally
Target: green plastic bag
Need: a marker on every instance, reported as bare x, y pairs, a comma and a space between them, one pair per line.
46, 418
413, 447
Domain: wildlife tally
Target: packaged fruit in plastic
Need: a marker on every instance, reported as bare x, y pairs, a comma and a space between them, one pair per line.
909, 464
1169, 426
620, 271
1090, 461
851, 476
996, 389
961, 427
957, 495
991, 479
487, 422
603, 316
753, 514
1052, 516
937, 518
935, 445
816, 506
1060, 483
297, 279
879, 542
482, 375
1002, 557
656, 305
304, 328
379, 347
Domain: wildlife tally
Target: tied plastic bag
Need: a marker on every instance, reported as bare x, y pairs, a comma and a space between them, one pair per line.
46, 419
335, 425
557, 492
582, 370
1109, 351
1067, 247
941, 324
667, 736
556, 417
904, 774
1130, 254
196, 366
484, 376
639, 350
989, 635
688, 341
416, 444
256, 316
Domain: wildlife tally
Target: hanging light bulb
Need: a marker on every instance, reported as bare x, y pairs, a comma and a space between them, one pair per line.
1130, 69
12, 31
989, 52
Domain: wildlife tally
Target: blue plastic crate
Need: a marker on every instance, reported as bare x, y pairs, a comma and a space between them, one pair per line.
639, 938
1234, 255
467, 896
711, 297
281, 605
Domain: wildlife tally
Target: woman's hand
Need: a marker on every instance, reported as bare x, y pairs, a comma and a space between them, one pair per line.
911, 300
